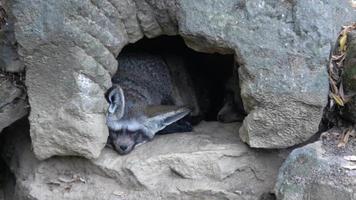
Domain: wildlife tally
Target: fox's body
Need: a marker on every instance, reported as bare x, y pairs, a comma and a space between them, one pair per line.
146, 80
143, 101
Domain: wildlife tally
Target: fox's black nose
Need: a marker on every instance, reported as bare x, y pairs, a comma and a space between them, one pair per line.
123, 147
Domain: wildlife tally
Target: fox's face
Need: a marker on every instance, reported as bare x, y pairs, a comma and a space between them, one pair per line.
127, 132
124, 140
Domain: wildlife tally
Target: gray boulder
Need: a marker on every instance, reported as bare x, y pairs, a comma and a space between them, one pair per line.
210, 163
68, 48
282, 49
319, 171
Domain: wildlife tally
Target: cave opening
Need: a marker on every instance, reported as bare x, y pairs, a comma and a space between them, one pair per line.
214, 77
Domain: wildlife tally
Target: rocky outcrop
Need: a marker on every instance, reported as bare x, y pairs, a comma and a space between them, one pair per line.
284, 82
319, 171
210, 163
69, 49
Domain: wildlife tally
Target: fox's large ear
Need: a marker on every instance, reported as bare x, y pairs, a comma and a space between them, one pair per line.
163, 119
116, 99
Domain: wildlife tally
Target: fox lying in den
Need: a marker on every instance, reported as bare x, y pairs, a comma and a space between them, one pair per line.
149, 95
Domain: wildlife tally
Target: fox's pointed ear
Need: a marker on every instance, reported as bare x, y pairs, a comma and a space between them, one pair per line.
160, 121
116, 99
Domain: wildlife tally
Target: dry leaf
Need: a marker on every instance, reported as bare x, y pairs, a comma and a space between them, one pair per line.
333, 86
64, 180
117, 193
341, 92
334, 76
342, 42
337, 99
75, 178
345, 137
332, 103
336, 57
348, 97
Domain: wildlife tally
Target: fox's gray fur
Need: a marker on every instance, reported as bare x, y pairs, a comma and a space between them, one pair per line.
144, 99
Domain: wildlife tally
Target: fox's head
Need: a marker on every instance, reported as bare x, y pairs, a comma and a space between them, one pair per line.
126, 132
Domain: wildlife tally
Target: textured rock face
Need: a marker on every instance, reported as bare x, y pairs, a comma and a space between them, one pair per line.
69, 49
67, 60
319, 171
211, 163
282, 47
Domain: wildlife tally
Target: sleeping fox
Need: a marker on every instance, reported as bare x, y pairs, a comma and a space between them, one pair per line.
154, 94
145, 99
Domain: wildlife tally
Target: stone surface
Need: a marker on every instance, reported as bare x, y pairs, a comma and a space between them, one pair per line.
13, 104
319, 171
348, 78
210, 163
69, 50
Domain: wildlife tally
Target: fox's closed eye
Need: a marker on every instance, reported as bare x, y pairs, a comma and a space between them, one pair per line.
141, 137
112, 134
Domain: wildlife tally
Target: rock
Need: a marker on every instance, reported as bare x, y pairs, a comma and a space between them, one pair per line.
68, 56
349, 83
13, 104
210, 163
319, 171
282, 55
69, 50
